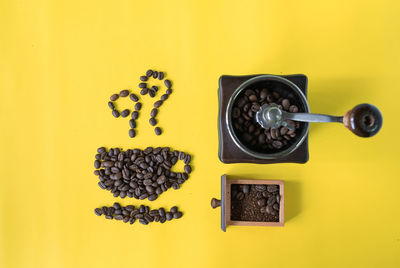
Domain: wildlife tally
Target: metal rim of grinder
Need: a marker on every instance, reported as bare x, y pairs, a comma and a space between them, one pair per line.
296, 90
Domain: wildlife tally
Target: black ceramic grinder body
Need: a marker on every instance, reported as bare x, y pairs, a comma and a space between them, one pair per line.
232, 149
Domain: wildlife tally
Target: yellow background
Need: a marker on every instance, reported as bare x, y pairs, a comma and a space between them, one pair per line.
61, 60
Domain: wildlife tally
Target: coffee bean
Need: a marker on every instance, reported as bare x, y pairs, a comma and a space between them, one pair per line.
98, 212
115, 113
168, 91
271, 200
152, 93
255, 107
118, 217
101, 150
276, 206
96, 164
125, 113
142, 209
164, 97
246, 189
144, 91
278, 198
135, 115
187, 160
274, 133
272, 188
263, 94
130, 208
177, 215
293, 109
124, 93
143, 221
161, 212
158, 103
148, 218
155, 74
134, 97
142, 85
118, 211
160, 76
155, 88
168, 216
187, 169
114, 97
269, 209
153, 121
252, 98
154, 212
260, 187
277, 144
111, 105
132, 133
149, 73
138, 106
158, 131
159, 158
285, 104
263, 209
261, 202
143, 78
174, 209
154, 112
283, 130
239, 195
132, 123
168, 83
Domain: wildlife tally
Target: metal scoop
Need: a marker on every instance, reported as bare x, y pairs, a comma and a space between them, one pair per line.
364, 120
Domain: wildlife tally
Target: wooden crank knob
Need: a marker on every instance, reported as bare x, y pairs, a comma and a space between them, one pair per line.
215, 203
364, 120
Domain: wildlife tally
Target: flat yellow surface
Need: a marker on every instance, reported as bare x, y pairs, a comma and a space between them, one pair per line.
61, 60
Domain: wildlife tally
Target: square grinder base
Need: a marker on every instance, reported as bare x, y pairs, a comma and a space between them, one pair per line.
228, 151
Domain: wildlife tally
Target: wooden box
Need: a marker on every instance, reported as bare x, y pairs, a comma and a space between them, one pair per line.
225, 202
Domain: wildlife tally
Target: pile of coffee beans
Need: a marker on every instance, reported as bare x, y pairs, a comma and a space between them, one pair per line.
143, 213
249, 132
145, 89
140, 173
255, 202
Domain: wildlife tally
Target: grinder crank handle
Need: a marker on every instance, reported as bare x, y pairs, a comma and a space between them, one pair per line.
364, 120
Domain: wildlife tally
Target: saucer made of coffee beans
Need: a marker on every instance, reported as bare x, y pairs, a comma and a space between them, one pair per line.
143, 213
